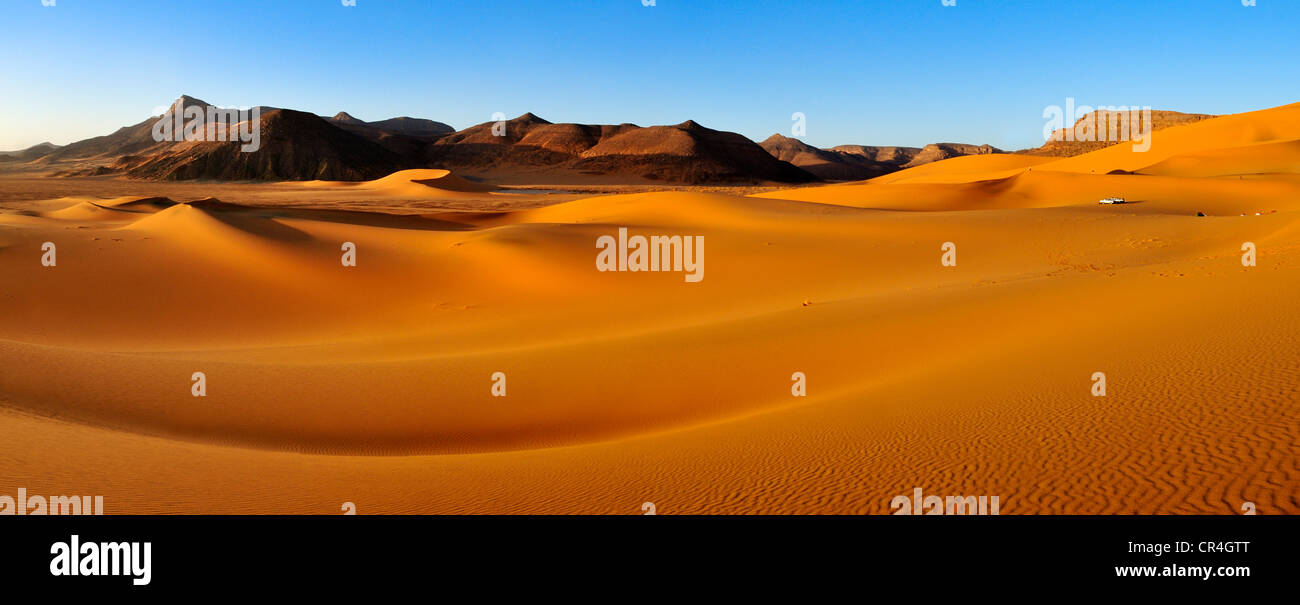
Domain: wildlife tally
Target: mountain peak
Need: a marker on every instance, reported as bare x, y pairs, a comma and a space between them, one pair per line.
531, 118
346, 118
186, 101
779, 140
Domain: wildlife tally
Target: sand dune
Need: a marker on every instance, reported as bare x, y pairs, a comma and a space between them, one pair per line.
1260, 159
372, 383
415, 183
966, 169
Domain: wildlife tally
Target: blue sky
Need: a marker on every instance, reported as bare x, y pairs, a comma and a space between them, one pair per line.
882, 72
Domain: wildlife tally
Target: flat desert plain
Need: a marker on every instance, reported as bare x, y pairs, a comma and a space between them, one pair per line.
372, 384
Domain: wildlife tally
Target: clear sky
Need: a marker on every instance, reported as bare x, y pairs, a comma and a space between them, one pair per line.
879, 72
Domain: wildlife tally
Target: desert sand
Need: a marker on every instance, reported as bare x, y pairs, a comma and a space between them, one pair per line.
372, 384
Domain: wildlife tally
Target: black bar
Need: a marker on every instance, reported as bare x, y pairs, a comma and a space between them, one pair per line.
326, 553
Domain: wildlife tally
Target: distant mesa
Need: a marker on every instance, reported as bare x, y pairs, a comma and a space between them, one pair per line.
1102, 120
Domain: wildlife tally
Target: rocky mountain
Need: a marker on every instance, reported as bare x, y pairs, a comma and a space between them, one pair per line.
31, 153
296, 145
682, 153
859, 162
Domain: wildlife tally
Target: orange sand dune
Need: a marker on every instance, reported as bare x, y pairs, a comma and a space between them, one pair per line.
410, 183
83, 209
1264, 158
373, 384
964, 169
1044, 189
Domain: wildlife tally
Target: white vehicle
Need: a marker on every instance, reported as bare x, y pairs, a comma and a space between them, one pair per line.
1112, 200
